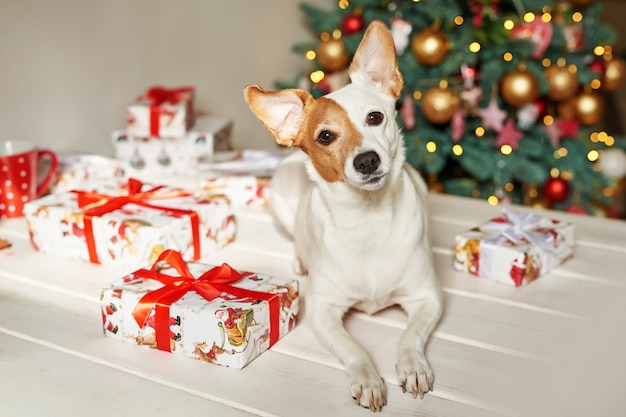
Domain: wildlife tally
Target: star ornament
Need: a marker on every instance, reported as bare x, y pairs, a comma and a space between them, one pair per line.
509, 135
492, 116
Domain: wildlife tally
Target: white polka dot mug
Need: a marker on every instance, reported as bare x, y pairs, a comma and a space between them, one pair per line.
20, 178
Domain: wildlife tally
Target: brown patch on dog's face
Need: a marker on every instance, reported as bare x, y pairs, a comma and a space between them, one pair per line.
329, 137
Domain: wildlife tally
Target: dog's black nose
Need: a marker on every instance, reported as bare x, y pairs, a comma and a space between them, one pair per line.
367, 162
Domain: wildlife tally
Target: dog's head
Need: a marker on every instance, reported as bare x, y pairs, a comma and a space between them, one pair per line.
350, 134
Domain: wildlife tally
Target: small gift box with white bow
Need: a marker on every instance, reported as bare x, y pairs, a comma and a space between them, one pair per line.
515, 248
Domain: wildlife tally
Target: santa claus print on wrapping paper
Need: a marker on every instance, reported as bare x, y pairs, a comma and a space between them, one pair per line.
150, 338
234, 323
108, 311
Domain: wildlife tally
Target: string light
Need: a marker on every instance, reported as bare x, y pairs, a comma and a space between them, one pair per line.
310, 55
480, 131
474, 47
457, 150
508, 57
431, 146
343, 4
577, 17
506, 149
593, 155
417, 95
493, 200
459, 20
317, 76
509, 24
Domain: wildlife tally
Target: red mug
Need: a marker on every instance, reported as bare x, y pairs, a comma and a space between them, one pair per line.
20, 180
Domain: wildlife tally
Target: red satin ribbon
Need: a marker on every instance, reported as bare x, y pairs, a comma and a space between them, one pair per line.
95, 204
209, 285
160, 95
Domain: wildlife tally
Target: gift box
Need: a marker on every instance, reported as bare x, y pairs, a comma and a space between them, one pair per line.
161, 112
129, 223
76, 170
514, 248
144, 157
213, 314
240, 190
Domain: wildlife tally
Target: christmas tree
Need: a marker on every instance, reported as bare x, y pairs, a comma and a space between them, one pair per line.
502, 98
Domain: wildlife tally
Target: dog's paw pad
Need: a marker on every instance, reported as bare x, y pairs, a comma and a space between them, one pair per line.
369, 391
415, 376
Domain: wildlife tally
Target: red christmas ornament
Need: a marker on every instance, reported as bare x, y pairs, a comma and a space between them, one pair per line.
556, 190
352, 24
598, 66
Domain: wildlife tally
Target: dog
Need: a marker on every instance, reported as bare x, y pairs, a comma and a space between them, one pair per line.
357, 212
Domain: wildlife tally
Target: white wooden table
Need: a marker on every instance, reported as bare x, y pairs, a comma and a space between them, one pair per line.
554, 348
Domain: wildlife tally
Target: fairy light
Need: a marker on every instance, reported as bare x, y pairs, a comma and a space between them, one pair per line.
595, 84
459, 20
343, 4
431, 147
560, 153
593, 155
506, 149
480, 131
509, 24
593, 136
417, 95
325, 36
529, 17
493, 200
509, 186
457, 150
572, 69
546, 17
337, 34
610, 141
317, 76
598, 50
443, 83
548, 120
561, 62
546, 62
474, 47
555, 172
567, 175
508, 57
577, 17
310, 55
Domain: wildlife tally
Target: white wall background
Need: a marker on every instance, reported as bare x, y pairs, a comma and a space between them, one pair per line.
68, 68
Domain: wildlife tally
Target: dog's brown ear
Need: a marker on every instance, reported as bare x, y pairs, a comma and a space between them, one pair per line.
376, 60
280, 111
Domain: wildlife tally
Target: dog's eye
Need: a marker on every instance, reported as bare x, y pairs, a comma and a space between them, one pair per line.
325, 137
374, 118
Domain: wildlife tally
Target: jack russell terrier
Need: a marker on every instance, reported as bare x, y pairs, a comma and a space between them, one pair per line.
357, 212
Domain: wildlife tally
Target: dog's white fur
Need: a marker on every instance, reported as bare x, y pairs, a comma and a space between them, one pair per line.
360, 222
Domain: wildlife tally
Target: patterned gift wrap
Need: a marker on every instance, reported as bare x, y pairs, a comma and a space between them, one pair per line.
161, 112
129, 223
76, 171
213, 314
148, 156
515, 248
241, 190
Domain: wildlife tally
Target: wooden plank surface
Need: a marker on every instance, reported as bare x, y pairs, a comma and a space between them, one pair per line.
494, 342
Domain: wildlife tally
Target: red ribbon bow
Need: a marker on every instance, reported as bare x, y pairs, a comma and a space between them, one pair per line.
96, 204
209, 285
159, 95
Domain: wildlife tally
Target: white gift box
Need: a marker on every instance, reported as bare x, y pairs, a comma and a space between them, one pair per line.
145, 157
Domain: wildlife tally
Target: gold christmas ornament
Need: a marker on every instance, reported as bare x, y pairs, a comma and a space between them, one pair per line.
614, 74
430, 46
332, 55
439, 105
562, 83
589, 108
519, 87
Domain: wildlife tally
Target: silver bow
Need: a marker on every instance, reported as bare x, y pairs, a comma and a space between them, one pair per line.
519, 226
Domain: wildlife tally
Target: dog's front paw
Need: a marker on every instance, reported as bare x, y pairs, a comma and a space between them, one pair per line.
414, 374
368, 388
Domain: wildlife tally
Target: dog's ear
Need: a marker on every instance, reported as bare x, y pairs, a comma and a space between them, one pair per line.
280, 111
376, 60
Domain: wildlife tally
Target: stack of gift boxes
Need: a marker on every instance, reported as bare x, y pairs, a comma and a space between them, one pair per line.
161, 231
163, 135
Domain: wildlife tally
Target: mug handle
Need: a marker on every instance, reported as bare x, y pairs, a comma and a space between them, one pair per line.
54, 166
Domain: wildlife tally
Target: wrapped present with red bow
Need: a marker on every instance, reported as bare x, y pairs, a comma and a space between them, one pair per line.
161, 112
515, 248
129, 222
211, 313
